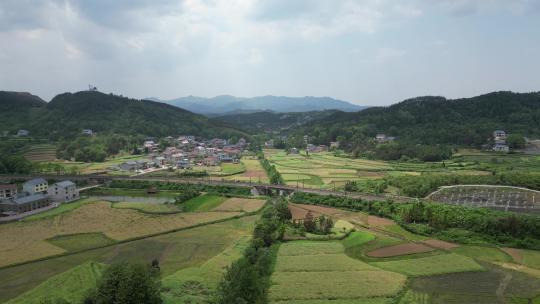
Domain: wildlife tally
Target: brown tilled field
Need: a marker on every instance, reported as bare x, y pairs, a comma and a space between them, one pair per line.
240, 205
401, 249
516, 254
379, 221
440, 244
300, 213
24, 241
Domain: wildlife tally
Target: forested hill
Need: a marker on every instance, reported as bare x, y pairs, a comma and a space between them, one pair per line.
269, 121
435, 120
17, 106
67, 114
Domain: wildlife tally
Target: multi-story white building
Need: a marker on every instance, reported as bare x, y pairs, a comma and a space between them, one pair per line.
36, 185
64, 191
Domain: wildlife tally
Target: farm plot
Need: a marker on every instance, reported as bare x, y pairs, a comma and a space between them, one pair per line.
197, 284
70, 286
438, 264
96, 217
175, 251
498, 197
305, 268
253, 171
148, 208
41, 153
401, 249
323, 169
495, 285
240, 205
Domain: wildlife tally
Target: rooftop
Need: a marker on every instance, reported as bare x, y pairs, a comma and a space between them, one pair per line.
65, 184
29, 198
35, 181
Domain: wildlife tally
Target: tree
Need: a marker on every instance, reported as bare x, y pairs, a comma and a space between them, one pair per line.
283, 211
515, 141
127, 284
309, 223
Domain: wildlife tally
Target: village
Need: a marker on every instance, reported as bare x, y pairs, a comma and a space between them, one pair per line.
36, 196
184, 152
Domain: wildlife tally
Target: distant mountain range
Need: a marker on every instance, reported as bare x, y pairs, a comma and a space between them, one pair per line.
226, 104
68, 113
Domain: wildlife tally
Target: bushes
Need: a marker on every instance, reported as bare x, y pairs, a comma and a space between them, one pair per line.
273, 175
128, 284
447, 221
186, 195
241, 191
248, 279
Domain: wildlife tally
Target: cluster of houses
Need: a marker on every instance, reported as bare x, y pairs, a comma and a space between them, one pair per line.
499, 141
383, 138
36, 193
185, 152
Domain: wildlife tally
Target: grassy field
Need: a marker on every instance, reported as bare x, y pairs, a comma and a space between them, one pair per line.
63, 208
175, 251
70, 286
431, 265
196, 284
312, 270
76, 242
240, 205
90, 217
148, 208
488, 254
205, 202
494, 285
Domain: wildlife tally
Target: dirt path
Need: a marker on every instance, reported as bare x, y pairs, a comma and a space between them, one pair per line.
502, 287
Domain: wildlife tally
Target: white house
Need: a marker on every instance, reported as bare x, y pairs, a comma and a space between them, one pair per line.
64, 191
36, 185
88, 132
23, 133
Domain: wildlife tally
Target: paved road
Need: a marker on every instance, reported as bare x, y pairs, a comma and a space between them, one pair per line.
205, 181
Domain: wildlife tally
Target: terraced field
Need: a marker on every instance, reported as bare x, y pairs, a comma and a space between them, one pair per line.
41, 153
310, 270
89, 217
195, 256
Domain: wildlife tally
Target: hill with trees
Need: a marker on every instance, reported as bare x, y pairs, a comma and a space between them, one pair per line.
67, 114
269, 121
431, 121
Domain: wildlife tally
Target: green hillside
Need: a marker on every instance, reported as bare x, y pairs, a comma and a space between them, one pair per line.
70, 286
67, 114
434, 120
268, 121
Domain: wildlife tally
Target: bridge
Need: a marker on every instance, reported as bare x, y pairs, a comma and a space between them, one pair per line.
257, 188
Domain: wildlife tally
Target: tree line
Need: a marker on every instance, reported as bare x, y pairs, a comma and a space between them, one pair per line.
247, 280
448, 222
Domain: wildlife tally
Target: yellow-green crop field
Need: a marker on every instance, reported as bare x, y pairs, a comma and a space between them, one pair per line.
28, 240
317, 270
328, 170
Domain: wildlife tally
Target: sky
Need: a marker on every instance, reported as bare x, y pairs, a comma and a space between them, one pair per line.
369, 52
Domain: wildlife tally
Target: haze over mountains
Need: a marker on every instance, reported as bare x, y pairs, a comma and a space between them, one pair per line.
230, 104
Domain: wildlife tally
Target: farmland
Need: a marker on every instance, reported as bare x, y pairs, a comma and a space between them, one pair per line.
202, 252
304, 268
90, 217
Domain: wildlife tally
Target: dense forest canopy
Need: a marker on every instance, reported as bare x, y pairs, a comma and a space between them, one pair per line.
66, 115
435, 120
